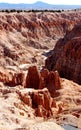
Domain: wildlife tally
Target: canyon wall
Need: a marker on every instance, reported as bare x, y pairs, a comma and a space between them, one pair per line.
24, 37
66, 57
29, 93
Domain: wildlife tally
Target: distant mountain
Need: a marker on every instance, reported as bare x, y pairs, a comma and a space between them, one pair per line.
38, 5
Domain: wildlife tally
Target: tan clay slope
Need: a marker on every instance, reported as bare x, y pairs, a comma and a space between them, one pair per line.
25, 36
70, 96
67, 56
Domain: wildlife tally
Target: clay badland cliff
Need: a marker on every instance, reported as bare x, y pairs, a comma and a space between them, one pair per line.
24, 37
67, 56
30, 97
30, 101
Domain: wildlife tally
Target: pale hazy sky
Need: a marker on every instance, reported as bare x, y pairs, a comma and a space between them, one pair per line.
75, 2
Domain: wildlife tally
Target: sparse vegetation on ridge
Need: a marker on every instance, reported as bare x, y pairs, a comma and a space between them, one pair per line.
31, 10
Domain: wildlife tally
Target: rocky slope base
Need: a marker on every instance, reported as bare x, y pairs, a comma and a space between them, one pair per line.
66, 57
25, 37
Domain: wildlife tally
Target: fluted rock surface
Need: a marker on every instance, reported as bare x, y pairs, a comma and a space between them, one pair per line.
24, 37
51, 80
11, 78
33, 78
43, 79
40, 100
23, 107
66, 57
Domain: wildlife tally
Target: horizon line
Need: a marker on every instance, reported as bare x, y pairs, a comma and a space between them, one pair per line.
39, 2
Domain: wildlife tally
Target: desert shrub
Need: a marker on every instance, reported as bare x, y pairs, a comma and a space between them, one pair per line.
31, 10
7, 11
13, 10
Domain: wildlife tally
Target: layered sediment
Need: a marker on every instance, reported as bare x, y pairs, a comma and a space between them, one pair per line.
66, 57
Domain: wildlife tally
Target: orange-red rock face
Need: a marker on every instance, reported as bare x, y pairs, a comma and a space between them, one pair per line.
67, 56
45, 79
51, 81
33, 78
22, 33
20, 37
11, 78
4, 76
40, 100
